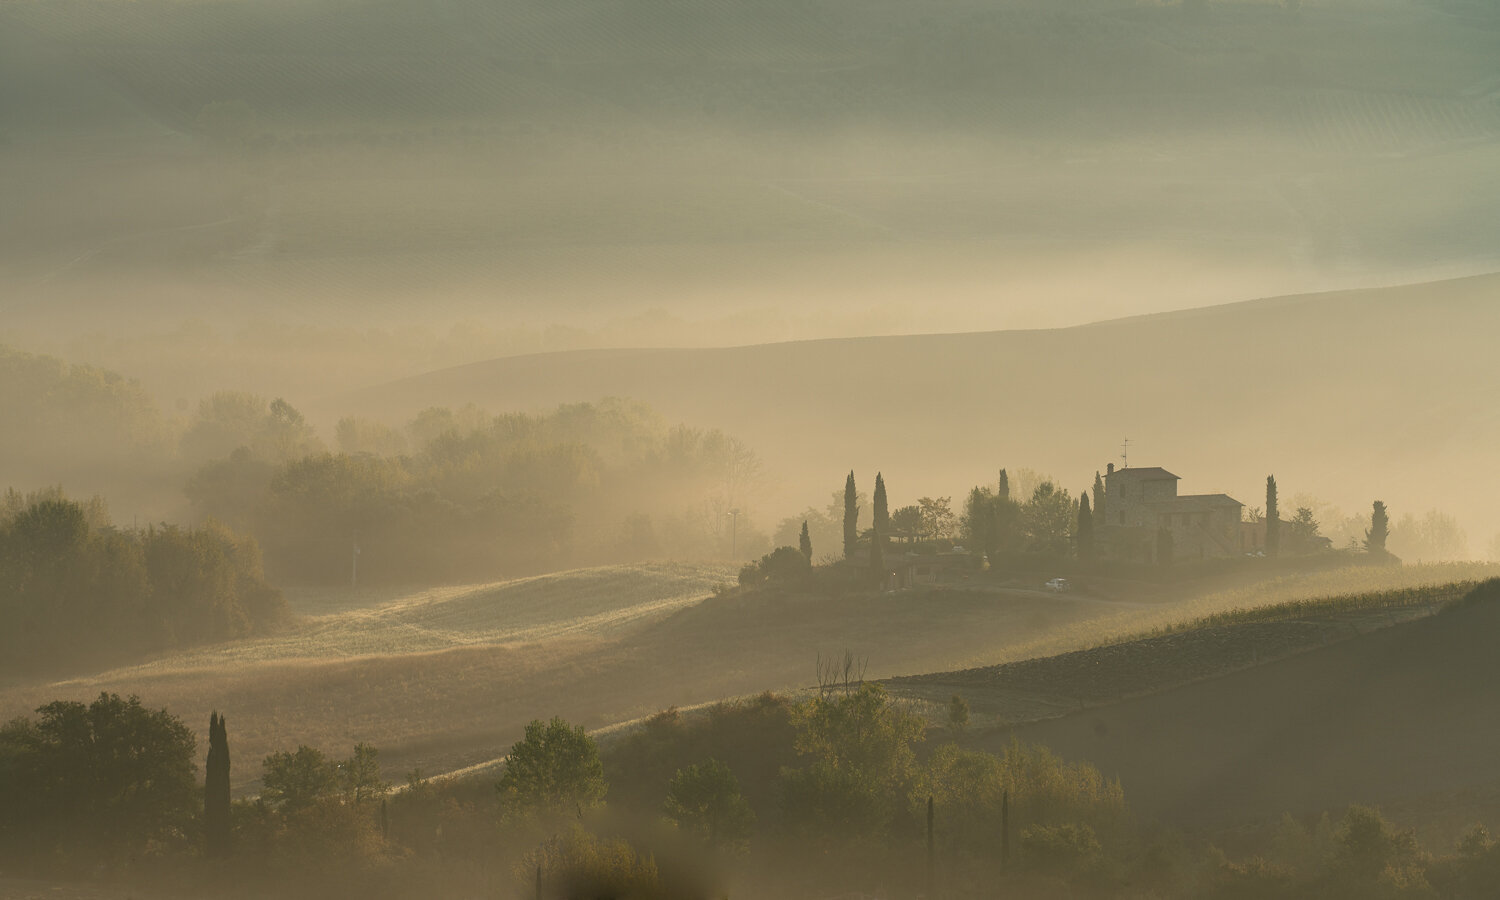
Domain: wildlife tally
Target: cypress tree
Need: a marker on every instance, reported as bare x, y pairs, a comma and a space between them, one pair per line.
882, 527
851, 517
1085, 528
216, 789
1099, 497
1380, 529
1273, 518
1003, 494
804, 543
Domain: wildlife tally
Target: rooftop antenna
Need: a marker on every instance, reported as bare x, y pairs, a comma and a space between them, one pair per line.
1125, 455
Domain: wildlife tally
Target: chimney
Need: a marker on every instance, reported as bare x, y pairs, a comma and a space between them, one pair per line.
1111, 469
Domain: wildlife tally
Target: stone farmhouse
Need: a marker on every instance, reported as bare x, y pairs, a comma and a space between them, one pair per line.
1139, 502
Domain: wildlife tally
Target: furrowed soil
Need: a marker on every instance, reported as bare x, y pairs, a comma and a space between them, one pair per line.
1400, 717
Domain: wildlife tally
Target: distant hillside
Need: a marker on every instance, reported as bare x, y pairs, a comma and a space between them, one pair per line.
1395, 717
1350, 396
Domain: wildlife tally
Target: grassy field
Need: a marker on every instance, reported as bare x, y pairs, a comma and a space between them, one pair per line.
340, 624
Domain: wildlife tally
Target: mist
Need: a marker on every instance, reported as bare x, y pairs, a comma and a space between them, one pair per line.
680, 450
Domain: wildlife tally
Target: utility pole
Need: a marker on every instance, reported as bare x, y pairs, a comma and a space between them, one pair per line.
931, 862
734, 533
1005, 831
354, 566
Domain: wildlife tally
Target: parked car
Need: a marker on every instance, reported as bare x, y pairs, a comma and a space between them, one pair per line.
1058, 585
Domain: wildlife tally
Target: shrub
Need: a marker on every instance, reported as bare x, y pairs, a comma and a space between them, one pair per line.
1059, 849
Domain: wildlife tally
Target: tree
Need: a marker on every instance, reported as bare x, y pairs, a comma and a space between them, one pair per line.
1379, 530
958, 713
705, 799
1273, 520
1047, 520
1099, 498
1085, 529
938, 521
851, 516
111, 776
881, 529
862, 760
555, 768
295, 780
1435, 536
1003, 492
825, 532
804, 542
359, 775
1302, 530
978, 522
907, 519
216, 789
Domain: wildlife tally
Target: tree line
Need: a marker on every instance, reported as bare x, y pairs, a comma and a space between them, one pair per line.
845, 790
73, 586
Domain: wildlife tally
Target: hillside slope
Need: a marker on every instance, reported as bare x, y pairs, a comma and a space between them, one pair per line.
1394, 716
1348, 395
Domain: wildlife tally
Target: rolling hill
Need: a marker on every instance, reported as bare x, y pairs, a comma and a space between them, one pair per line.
1349, 396
447, 678
1399, 717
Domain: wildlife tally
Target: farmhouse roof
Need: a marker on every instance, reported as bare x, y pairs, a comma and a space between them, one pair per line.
1212, 499
1194, 503
1148, 473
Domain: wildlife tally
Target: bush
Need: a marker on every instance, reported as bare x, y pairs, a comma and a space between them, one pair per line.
784, 564
1059, 849
706, 799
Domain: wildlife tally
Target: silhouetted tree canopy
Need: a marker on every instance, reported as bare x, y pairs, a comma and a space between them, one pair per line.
71, 585
110, 777
554, 769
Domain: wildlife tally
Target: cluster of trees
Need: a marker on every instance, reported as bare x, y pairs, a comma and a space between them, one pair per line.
96, 783
991, 521
829, 794
836, 779
1362, 856
451, 494
460, 494
73, 586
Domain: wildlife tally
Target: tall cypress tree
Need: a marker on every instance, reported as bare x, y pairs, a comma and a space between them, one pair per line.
851, 517
1003, 494
1273, 518
1085, 528
804, 543
216, 789
882, 527
1099, 498
1380, 529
